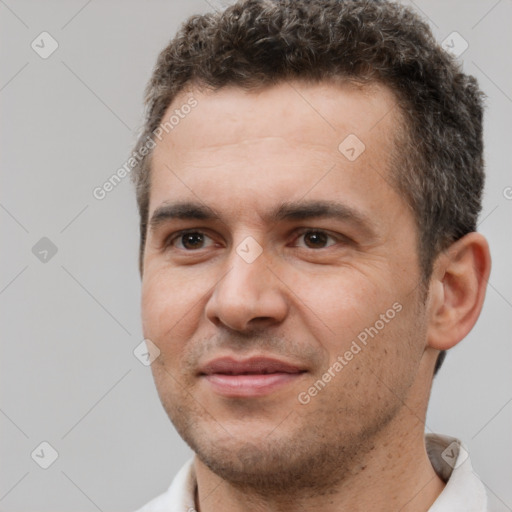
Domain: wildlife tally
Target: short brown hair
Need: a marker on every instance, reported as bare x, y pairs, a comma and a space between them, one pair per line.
438, 158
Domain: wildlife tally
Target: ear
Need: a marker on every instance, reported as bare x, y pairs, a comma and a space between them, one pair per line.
457, 290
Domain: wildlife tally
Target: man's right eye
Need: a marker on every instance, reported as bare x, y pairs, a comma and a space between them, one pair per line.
189, 240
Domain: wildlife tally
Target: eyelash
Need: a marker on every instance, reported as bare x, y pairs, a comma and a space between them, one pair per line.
177, 235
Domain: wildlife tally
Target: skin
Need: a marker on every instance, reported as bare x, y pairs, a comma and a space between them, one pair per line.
359, 442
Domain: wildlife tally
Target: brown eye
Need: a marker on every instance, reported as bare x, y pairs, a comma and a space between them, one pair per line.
190, 240
316, 239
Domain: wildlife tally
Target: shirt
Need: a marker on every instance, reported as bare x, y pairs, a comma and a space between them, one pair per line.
463, 492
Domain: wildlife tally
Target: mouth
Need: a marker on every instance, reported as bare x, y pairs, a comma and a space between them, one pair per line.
254, 377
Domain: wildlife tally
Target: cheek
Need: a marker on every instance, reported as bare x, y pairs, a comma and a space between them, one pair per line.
378, 364
366, 320
170, 305
340, 302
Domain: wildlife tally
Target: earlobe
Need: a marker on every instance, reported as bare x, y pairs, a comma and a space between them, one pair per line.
457, 290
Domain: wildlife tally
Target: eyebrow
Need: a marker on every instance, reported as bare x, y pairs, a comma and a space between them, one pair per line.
288, 211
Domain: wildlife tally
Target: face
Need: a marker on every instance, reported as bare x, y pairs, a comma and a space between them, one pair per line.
280, 279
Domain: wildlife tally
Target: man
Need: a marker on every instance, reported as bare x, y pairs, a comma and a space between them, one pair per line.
309, 187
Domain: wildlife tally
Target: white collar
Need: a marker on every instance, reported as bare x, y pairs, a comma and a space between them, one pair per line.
464, 492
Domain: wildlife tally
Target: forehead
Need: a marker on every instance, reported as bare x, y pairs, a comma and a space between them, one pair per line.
275, 142
294, 110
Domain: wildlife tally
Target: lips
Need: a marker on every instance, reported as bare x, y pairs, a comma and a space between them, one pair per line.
255, 365
252, 377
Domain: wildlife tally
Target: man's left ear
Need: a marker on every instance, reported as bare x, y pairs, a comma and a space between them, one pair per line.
457, 290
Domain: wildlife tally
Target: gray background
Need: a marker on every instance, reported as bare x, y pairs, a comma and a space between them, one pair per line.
70, 324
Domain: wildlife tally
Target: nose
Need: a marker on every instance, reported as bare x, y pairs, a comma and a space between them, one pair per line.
249, 296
